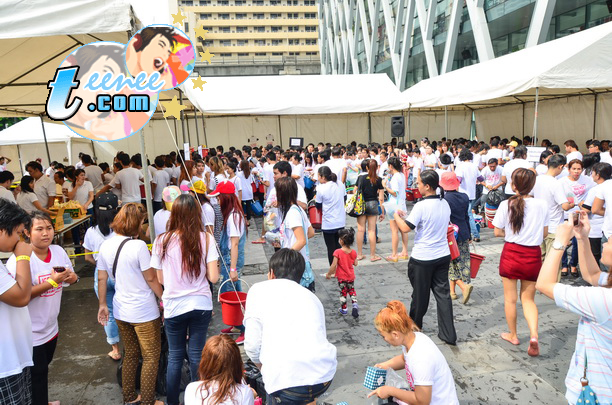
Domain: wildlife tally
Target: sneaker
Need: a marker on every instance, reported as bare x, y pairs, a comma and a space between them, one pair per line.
232, 330
343, 311
240, 339
355, 312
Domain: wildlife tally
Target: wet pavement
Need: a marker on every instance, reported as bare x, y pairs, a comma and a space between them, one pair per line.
487, 370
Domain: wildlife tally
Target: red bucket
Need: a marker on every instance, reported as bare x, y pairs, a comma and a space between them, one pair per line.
452, 242
232, 305
417, 193
315, 216
409, 195
475, 262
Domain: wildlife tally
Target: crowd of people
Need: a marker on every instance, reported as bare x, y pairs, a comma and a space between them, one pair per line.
551, 214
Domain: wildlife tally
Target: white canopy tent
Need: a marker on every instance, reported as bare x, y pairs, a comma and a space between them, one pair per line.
574, 71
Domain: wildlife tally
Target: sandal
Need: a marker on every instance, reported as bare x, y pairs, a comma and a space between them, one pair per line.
114, 355
453, 296
391, 259
258, 242
506, 337
534, 347
403, 257
360, 257
375, 258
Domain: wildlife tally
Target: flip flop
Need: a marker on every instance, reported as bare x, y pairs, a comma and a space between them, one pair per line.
507, 339
114, 355
391, 259
360, 257
258, 242
403, 257
375, 259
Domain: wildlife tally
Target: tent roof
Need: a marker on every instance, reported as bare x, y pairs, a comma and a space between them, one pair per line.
577, 64
38, 34
29, 131
295, 94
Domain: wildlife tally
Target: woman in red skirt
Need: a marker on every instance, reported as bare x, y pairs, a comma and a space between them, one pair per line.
521, 220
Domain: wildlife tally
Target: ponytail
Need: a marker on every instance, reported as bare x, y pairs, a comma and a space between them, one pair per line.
523, 181
327, 174
432, 179
372, 168
394, 318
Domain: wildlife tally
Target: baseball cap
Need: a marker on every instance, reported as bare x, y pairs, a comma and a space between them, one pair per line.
513, 144
198, 187
169, 194
107, 201
449, 181
226, 187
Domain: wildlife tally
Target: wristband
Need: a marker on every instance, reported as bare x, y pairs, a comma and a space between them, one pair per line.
22, 257
53, 283
234, 270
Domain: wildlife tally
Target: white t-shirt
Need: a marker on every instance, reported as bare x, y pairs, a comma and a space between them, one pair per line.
130, 180
307, 358
161, 179
468, 172
426, 366
245, 183
108, 177
491, 178
430, 219
298, 170
94, 239
94, 175
596, 221
7, 194
16, 331
44, 188
332, 198
417, 168
535, 218
238, 186
430, 160
160, 221
541, 169
398, 184
45, 308
181, 293
573, 155
604, 192
337, 166
234, 229
295, 217
509, 168
134, 300
26, 201
494, 154
268, 175
577, 189
550, 190
193, 395
82, 193
382, 169
208, 215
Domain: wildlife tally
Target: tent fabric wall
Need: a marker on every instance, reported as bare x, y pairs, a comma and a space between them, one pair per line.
604, 116
424, 124
504, 122
57, 150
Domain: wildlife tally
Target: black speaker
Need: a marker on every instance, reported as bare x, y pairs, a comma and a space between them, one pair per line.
609, 5
397, 127
466, 54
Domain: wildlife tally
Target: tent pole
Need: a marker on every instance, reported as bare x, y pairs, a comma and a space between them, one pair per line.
69, 147
93, 150
369, 129
280, 132
409, 134
195, 116
594, 115
42, 124
147, 185
523, 128
182, 117
445, 123
204, 127
535, 118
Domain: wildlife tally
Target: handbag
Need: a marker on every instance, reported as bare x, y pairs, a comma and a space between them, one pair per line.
357, 204
256, 208
308, 183
587, 395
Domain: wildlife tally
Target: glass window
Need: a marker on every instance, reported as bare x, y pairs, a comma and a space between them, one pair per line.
311, 29
277, 29
518, 39
243, 54
225, 30
260, 54
260, 29
205, 16
259, 16
500, 46
571, 22
224, 16
241, 29
260, 42
275, 15
243, 43
226, 43
599, 13
277, 54
239, 2
258, 3
276, 42
225, 55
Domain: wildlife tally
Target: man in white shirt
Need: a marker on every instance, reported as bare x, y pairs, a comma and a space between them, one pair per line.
160, 180
571, 150
468, 175
6, 178
384, 164
519, 161
44, 187
128, 180
549, 189
15, 292
269, 315
495, 152
94, 174
338, 166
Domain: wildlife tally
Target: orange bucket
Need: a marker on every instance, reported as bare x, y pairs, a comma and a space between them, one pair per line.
233, 304
475, 262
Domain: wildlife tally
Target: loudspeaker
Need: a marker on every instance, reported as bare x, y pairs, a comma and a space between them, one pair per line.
609, 5
397, 127
466, 54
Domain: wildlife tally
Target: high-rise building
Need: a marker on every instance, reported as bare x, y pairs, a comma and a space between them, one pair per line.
410, 42
256, 32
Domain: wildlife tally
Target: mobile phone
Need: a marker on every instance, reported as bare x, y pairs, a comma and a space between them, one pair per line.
59, 269
576, 218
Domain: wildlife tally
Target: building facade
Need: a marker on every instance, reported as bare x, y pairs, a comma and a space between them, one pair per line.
255, 36
412, 40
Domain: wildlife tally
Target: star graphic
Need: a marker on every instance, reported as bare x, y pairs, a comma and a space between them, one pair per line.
206, 56
178, 17
198, 83
200, 31
173, 108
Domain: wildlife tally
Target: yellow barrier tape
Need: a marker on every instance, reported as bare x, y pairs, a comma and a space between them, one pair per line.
150, 245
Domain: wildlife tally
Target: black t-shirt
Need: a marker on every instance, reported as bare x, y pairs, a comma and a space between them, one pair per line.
369, 190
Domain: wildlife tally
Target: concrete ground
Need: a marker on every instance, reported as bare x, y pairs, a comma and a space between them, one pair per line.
487, 370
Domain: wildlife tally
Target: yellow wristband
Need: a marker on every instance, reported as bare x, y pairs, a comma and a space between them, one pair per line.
53, 283
23, 257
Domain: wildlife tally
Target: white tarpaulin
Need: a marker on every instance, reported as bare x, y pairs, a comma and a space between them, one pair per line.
296, 95
570, 65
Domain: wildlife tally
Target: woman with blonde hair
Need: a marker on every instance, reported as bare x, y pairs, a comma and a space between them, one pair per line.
220, 375
427, 372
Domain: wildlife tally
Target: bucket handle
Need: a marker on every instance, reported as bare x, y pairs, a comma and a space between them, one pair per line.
229, 279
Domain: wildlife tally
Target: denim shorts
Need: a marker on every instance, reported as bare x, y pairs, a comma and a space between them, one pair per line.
371, 208
298, 395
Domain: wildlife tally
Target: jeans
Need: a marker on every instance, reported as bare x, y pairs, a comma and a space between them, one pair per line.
195, 324
246, 207
226, 260
298, 395
42, 356
111, 329
475, 231
573, 262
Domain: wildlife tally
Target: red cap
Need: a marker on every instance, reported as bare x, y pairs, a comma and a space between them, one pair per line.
226, 187
449, 181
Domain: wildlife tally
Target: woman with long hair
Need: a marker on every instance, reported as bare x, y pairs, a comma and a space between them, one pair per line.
396, 187
231, 246
27, 199
185, 258
295, 227
522, 222
330, 199
106, 210
246, 182
576, 186
220, 376
50, 268
371, 187
600, 172
430, 260
188, 170
126, 260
